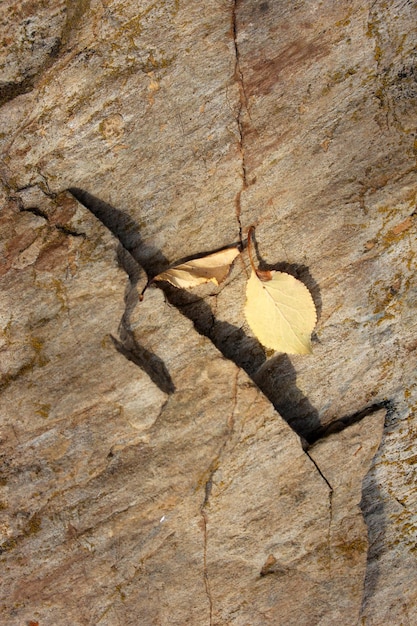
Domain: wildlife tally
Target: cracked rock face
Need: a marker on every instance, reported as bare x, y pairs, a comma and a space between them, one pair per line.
157, 466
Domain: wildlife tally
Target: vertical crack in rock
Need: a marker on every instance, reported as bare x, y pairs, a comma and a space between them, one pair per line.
343, 459
205, 572
320, 472
335, 427
380, 94
329, 527
238, 75
207, 491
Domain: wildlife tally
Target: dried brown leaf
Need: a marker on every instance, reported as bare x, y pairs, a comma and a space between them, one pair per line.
211, 268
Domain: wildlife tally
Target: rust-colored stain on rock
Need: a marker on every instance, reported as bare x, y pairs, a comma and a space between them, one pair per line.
264, 72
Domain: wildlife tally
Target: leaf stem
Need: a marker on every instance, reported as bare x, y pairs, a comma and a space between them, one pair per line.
142, 293
263, 275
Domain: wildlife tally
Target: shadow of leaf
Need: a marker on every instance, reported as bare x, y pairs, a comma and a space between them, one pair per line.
299, 271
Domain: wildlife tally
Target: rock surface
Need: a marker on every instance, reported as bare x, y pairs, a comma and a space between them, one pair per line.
152, 467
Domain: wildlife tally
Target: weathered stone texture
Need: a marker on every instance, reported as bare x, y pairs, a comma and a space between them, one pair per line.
152, 469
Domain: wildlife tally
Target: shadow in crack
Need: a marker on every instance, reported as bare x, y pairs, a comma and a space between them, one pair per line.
131, 251
275, 377
125, 229
127, 345
373, 510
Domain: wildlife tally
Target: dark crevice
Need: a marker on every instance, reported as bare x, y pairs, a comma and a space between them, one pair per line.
324, 478
348, 420
43, 214
35, 211
127, 345
10, 91
243, 106
330, 501
43, 186
69, 231
275, 377
13, 195
146, 360
373, 510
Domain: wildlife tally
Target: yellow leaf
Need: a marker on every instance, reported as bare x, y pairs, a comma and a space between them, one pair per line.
213, 267
280, 312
